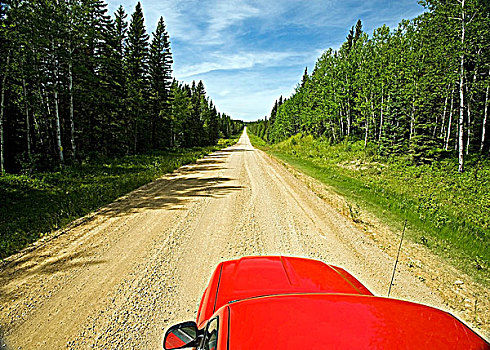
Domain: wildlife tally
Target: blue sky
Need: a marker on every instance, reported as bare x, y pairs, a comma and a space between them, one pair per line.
249, 52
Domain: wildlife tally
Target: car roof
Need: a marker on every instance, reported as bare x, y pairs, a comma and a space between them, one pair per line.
269, 275
339, 321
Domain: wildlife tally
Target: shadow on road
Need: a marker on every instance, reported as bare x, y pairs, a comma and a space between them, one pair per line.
43, 265
173, 192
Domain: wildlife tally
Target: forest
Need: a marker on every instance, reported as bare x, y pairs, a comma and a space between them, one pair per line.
77, 83
420, 90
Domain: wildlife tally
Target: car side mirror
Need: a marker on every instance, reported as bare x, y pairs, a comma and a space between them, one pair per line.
182, 335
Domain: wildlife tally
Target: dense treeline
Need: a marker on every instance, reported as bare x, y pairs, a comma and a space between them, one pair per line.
422, 89
77, 83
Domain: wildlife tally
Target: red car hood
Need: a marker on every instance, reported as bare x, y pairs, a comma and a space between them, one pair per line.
334, 321
267, 275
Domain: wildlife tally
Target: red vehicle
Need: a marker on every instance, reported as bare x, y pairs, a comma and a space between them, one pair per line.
295, 303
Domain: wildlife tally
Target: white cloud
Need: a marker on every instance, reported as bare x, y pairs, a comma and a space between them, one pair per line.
227, 13
244, 60
199, 22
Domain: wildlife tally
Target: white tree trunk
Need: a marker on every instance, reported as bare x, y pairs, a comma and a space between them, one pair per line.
348, 119
2, 111
412, 118
367, 126
341, 121
56, 109
45, 104
461, 94
469, 125
441, 134
484, 127
446, 145
333, 131
381, 117
28, 123
70, 89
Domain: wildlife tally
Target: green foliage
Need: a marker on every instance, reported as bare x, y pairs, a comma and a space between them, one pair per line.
34, 205
421, 88
446, 210
256, 140
78, 83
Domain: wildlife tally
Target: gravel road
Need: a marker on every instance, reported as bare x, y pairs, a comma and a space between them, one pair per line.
118, 277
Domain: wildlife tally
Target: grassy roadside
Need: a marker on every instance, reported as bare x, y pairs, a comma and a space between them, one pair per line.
446, 211
33, 206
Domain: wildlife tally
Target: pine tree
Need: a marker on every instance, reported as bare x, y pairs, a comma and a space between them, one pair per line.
114, 92
91, 85
305, 77
181, 113
160, 71
199, 103
358, 31
136, 67
213, 124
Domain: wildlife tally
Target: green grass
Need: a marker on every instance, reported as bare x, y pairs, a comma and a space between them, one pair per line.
446, 211
33, 206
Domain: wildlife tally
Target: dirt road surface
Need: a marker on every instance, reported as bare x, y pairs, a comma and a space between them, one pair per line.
117, 278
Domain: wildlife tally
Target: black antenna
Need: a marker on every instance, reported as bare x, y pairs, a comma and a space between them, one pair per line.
397, 256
